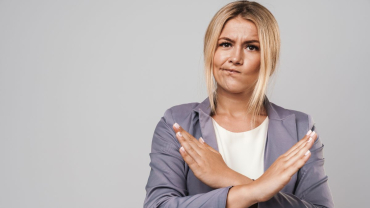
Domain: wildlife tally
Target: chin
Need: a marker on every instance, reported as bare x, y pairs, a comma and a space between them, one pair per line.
232, 89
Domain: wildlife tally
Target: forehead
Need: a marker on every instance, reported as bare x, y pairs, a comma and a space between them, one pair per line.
239, 28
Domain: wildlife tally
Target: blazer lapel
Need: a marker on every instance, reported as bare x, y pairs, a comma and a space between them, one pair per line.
206, 125
281, 132
281, 135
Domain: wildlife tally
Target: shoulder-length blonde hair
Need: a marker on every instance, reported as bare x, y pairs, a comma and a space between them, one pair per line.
269, 37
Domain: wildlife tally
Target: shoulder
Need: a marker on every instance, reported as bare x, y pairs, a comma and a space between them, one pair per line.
303, 120
179, 112
164, 138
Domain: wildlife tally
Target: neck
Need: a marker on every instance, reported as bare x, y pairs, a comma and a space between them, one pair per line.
233, 104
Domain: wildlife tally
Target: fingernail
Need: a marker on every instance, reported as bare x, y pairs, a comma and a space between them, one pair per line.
182, 149
309, 140
308, 151
309, 132
177, 125
201, 140
179, 134
313, 133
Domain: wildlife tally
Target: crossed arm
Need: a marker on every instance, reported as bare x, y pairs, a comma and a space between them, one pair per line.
166, 185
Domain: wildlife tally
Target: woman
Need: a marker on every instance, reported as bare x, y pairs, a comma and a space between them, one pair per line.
250, 151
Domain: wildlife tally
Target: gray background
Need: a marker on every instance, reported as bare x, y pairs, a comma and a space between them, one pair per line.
84, 83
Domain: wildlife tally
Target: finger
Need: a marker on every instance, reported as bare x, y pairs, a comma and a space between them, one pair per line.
310, 141
189, 148
177, 128
188, 143
201, 140
293, 168
188, 159
301, 153
298, 144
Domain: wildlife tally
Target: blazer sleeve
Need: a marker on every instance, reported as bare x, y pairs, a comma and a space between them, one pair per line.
312, 188
166, 185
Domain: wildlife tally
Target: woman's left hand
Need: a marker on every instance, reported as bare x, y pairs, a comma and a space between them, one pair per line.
206, 163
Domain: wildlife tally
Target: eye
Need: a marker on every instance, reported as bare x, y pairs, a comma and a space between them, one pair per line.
225, 44
252, 47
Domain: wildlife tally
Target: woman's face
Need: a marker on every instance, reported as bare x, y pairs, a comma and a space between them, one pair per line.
238, 49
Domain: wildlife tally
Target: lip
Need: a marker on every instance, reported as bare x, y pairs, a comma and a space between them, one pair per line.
230, 70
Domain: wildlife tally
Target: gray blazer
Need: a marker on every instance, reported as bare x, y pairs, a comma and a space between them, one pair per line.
172, 183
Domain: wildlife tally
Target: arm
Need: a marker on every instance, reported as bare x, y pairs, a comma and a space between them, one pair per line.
166, 186
312, 189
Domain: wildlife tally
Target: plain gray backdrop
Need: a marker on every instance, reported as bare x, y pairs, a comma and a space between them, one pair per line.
84, 83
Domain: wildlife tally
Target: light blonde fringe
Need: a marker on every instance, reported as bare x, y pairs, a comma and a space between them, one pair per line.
269, 37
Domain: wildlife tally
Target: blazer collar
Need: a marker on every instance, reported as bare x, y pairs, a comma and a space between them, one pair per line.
281, 133
272, 112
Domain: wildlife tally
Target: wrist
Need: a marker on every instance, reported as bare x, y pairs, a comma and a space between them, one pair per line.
250, 193
239, 179
254, 191
240, 196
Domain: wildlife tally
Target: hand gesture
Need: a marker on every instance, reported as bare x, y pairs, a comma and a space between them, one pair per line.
206, 163
284, 167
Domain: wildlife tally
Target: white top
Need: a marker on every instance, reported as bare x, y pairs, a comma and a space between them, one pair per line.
243, 151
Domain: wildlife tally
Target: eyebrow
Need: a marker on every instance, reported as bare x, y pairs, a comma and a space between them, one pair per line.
248, 41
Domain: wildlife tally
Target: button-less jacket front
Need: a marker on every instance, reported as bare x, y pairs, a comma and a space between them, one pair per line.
172, 183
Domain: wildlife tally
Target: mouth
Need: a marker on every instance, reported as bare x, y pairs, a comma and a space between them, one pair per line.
230, 70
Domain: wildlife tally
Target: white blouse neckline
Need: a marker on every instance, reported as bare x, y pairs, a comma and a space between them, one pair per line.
244, 132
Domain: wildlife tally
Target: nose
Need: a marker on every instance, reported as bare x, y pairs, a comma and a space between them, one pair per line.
236, 57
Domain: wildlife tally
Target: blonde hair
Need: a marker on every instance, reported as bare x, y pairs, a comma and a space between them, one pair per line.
269, 37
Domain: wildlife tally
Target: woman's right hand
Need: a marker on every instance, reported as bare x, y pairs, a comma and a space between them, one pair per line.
284, 167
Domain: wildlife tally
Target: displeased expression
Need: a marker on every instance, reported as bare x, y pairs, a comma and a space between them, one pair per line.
237, 57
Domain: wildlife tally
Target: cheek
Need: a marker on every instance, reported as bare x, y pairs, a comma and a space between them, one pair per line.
257, 63
219, 58
254, 62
